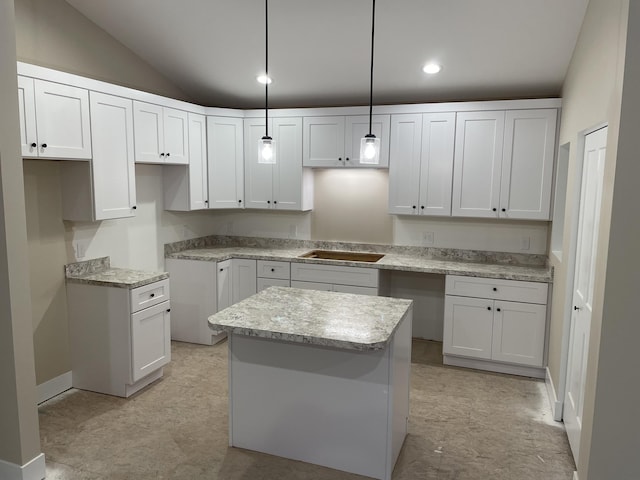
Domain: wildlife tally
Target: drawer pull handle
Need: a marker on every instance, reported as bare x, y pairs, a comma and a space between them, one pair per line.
495, 289
152, 295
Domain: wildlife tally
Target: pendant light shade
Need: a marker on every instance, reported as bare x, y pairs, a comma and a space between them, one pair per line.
266, 145
370, 145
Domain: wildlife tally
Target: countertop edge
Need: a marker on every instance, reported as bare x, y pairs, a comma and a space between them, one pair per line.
154, 277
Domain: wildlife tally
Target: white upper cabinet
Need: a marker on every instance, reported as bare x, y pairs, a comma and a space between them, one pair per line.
105, 188
185, 186
225, 161
477, 164
420, 171
162, 134
527, 165
284, 185
54, 120
335, 141
504, 164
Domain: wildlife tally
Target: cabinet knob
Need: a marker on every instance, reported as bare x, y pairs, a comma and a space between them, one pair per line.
152, 295
134, 207
414, 207
494, 209
503, 209
239, 201
497, 309
222, 269
275, 201
44, 145
422, 207
206, 201
168, 309
168, 154
34, 145
495, 289
268, 201
273, 269
488, 308
347, 159
162, 154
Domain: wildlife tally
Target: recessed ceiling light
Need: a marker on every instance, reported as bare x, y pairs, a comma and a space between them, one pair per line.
431, 68
263, 79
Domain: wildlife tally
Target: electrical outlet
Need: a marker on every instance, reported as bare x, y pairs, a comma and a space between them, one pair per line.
525, 243
428, 238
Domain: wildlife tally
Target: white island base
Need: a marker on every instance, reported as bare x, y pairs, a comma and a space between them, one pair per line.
340, 408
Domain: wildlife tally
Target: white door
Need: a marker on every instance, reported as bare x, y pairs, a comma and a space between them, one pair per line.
404, 163
62, 121
243, 279
198, 191
149, 132
176, 136
287, 173
225, 162
468, 326
258, 177
477, 164
27, 110
323, 142
113, 171
588, 223
357, 127
527, 166
150, 340
436, 170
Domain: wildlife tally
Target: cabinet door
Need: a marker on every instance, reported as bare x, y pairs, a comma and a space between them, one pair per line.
477, 164
198, 190
354, 289
243, 279
468, 327
27, 111
356, 127
225, 162
62, 121
404, 163
518, 333
436, 170
287, 174
527, 166
176, 136
258, 177
149, 132
224, 291
150, 340
323, 142
263, 283
113, 171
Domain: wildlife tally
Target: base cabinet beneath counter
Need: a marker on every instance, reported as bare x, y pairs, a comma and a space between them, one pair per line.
335, 278
496, 325
120, 338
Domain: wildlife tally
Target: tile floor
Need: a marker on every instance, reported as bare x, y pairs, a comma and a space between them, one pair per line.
464, 425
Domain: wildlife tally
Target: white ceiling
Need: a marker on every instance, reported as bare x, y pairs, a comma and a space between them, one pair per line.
319, 49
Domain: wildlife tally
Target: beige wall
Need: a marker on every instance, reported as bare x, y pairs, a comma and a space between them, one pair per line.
53, 34
19, 440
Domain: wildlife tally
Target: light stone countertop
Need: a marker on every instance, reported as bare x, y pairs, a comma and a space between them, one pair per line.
340, 320
98, 271
390, 261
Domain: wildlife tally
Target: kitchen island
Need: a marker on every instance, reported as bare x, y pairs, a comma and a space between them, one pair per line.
321, 377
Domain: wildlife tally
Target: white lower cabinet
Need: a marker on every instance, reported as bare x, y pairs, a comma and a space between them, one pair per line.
502, 323
120, 338
273, 274
335, 278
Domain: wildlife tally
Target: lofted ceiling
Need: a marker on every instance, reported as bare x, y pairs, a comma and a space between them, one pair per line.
319, 49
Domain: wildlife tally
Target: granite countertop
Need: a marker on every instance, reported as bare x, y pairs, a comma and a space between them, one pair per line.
98, 271
390, 261
341, 320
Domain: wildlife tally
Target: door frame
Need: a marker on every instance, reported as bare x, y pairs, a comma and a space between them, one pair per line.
567, 308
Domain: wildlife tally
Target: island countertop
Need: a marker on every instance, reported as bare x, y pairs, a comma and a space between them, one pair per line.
341, 320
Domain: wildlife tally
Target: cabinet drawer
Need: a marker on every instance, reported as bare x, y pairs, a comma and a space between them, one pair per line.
148, 295
338, 274
511, 290
263, 283
274, 269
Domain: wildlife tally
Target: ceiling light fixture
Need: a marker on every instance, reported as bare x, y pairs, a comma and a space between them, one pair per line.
369, 144
432, 68
266, 145
264, 79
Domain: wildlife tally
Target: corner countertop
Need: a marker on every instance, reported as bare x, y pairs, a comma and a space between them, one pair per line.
407, 262
340, 320
98, 271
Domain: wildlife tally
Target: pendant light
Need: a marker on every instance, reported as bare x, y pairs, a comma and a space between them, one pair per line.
266, 145
369, 144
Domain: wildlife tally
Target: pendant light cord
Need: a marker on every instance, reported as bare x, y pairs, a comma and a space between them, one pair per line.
266, 67
373, 22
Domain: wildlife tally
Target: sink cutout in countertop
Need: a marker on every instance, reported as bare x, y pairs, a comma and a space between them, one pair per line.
345, 256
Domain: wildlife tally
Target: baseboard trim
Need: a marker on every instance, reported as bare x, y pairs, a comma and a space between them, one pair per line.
556, 405
525, 371
32, 470
55, 386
